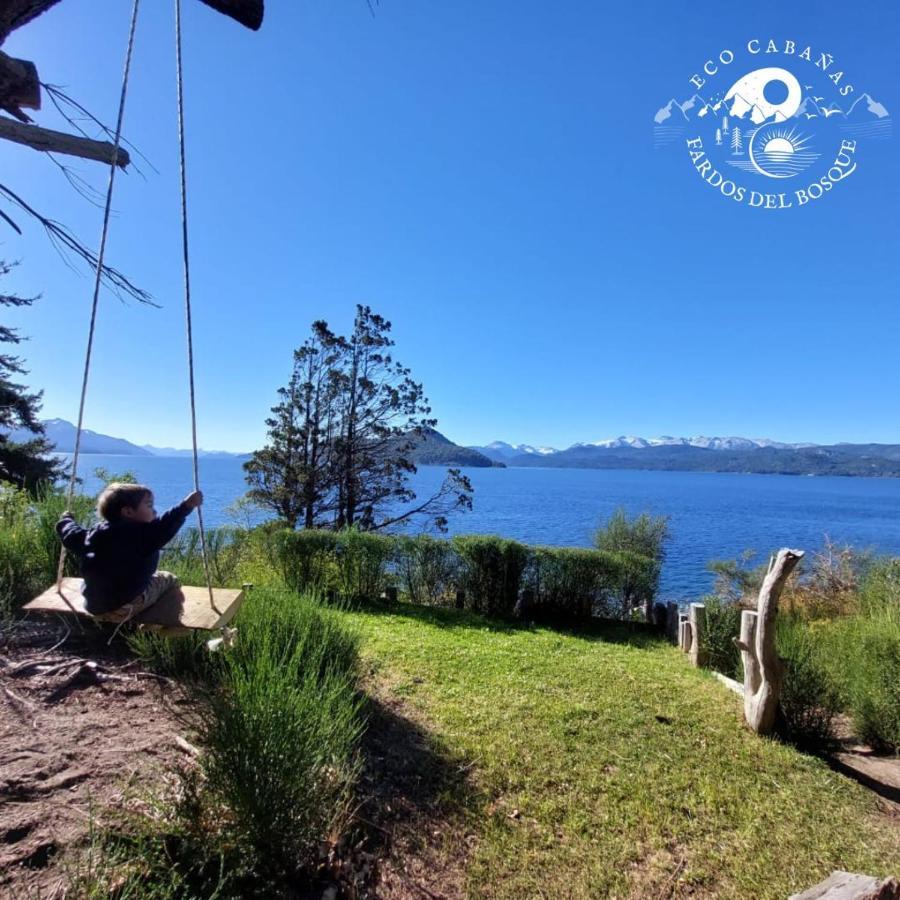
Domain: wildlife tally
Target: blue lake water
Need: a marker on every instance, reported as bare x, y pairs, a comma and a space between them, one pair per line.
713, 516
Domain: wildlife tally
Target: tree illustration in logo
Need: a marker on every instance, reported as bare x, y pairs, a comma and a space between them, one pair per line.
737, 141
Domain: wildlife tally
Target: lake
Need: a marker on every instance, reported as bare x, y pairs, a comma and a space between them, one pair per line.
713, 515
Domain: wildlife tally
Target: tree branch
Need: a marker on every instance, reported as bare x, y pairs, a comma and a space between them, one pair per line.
59, 142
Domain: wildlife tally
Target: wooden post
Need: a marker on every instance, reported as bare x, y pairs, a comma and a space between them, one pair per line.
697, 616
763, 670
672, 621
684, 633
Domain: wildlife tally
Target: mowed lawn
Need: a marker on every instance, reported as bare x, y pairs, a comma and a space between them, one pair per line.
605, 766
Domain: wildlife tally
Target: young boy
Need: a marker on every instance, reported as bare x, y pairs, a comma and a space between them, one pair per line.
119, 556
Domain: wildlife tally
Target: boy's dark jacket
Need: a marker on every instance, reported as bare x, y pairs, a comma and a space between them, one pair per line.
118, 558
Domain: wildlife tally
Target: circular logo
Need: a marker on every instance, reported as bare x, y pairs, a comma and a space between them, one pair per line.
772, 136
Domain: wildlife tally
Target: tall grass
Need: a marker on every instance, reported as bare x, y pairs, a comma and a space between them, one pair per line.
281, 730
865, 650
29, 547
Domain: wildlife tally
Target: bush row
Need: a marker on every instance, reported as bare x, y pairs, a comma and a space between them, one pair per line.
483, 573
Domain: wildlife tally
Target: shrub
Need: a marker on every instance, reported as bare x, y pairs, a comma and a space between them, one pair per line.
645, 535
567, 582
635, 583
722, 625
809, 698
282, 731
304, 558
362, 560
427, 568
224, 551
491, 572
866, 654
29, 546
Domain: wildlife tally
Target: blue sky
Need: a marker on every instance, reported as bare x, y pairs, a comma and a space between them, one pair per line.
482, 174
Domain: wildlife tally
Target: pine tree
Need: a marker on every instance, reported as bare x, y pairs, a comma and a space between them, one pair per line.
342, 437
737, 143
28, 463
718, 137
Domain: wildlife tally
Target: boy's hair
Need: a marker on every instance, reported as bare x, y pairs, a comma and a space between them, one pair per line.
116, 496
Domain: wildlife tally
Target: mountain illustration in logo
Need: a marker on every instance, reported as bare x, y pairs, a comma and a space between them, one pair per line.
865, 108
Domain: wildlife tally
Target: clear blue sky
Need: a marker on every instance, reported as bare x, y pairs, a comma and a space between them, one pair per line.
483, 174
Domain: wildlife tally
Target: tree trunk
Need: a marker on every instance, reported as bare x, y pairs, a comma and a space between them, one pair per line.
763, 670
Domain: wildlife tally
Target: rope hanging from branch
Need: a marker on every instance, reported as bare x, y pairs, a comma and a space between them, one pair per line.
73, 478
179, 74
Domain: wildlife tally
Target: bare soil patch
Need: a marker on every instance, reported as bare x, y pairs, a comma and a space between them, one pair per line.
81, 727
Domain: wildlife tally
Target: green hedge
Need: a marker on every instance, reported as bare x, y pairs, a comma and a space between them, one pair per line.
490, 573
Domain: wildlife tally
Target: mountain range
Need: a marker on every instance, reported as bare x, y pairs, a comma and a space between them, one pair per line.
61, 434
708, 454
665, 453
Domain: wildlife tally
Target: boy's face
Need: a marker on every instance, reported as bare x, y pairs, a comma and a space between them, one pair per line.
143, 512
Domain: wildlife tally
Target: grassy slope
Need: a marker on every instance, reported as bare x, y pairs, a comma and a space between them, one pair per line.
612, 800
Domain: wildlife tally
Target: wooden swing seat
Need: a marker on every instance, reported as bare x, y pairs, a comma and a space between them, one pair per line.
178, 612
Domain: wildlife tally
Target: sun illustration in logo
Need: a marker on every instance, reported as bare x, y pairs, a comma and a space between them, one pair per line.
780, 151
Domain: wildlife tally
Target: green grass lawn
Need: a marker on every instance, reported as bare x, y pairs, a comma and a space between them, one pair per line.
632, 773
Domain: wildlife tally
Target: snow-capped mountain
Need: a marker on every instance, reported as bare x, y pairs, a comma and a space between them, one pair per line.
501, 451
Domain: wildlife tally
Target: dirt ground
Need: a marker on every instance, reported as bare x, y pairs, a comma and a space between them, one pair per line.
83, 728
80, 726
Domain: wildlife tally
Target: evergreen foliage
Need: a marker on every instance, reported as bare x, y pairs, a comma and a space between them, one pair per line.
28, 463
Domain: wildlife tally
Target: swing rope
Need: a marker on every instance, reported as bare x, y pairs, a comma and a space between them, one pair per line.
73, 478
187, 290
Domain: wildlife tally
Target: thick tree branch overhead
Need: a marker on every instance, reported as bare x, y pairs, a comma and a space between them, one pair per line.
248, 12
59, 142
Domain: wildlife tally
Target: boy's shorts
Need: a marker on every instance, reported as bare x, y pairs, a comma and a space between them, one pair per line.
160, 583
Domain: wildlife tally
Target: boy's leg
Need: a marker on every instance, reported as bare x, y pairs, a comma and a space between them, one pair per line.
160, 582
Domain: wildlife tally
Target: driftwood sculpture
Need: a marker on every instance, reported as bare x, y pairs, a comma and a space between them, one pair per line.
763, 670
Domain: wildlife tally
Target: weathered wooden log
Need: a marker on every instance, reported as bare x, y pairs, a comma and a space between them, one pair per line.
763, 670
19, 86
248, 12
60, 142
697, 616
848, 886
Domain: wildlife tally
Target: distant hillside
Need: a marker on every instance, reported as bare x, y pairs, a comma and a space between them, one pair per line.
61, 434
839, 459
436, 450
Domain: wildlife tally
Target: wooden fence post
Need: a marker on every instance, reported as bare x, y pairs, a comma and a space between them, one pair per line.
684, 633
698, 620
672, 621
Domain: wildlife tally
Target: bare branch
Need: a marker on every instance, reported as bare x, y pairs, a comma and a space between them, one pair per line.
64, 240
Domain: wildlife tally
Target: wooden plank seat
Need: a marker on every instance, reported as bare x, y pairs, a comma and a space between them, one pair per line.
178, 611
